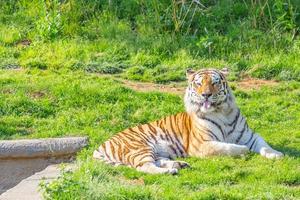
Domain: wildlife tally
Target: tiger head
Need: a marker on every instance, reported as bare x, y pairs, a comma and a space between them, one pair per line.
207, 90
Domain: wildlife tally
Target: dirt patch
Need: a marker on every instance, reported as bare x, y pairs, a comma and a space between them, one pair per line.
254, 84
24, 43
12, 66
8, 91
173, 88
124, 180
179, 88
37, 94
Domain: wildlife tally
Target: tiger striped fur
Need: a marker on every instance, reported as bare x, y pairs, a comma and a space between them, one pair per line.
211, 125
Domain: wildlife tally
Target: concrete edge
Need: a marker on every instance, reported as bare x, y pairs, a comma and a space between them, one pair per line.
31, 148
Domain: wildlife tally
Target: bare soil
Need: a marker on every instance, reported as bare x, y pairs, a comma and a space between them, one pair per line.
179, 88
254, 84
147, 87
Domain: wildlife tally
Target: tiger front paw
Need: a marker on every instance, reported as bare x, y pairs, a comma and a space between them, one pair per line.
270, 153
244, 150
172, 171
180, 164
238, 150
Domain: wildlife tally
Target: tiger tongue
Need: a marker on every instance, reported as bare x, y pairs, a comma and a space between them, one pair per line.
206, 104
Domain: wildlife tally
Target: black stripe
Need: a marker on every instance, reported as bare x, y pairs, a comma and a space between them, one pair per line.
213, 72
165, 120
104, 149
217, 125
210, 133
141, 135
124, 141
153, 129
235, 119
153, 137
179, 149
241, 133
249, 139
195, 147
112, 149
141, 158
128, 135
205, 139
172, 127
140, 127
254, 141
147, 155
199, 141
169, 136
160, 123
163, 129
176, 142
144, 135
174, 150
161, 137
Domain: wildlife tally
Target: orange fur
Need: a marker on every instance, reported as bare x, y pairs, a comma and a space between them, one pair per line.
201, 131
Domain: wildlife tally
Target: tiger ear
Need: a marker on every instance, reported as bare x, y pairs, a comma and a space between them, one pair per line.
189, 74
225, 71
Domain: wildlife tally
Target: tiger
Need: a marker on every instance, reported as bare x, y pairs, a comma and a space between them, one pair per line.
212, 125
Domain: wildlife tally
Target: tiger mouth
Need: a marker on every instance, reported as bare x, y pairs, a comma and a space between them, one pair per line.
207, 104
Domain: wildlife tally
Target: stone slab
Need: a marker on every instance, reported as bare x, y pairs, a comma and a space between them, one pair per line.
30, 148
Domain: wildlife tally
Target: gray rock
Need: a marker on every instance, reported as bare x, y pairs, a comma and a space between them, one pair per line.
31, 148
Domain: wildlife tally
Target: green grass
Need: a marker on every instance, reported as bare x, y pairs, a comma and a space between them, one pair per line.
47, 103
153, 40
52, 87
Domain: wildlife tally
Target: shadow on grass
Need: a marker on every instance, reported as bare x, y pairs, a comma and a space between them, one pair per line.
8, 131
289, 151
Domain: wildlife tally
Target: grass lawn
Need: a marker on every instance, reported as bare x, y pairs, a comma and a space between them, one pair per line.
153, 40
51, 52
44, 103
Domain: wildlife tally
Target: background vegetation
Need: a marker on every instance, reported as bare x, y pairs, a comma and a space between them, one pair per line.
52, 55
153, 40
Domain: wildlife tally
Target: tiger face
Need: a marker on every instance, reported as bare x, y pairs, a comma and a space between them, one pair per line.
207, 89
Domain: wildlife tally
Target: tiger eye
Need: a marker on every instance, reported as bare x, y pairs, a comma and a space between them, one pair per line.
197, 84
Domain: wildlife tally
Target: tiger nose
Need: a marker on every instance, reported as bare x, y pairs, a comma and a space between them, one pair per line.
206, 95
